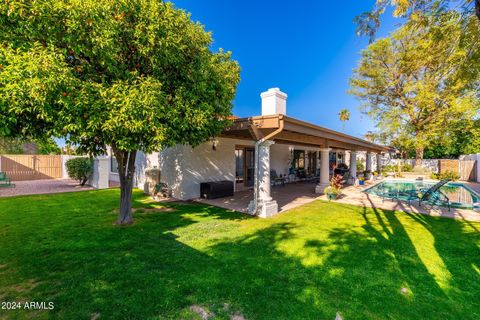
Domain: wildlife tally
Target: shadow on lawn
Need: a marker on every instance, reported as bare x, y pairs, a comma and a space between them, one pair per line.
145, 272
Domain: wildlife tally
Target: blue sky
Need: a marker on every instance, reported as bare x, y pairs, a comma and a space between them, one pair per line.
307, 48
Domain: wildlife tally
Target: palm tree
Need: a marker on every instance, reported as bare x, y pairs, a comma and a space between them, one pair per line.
344, 115
370, 136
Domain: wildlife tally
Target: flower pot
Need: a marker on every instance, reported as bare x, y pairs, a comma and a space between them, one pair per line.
331, 196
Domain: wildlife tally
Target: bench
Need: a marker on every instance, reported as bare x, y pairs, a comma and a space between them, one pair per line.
5, 181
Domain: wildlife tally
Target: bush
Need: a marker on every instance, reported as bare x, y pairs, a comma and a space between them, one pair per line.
360, 166
394, 168
79, 169
445, 175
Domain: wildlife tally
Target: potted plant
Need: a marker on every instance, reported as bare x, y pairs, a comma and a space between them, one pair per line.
361, 181
333, 190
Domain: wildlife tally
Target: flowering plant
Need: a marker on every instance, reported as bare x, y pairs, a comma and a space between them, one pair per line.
335, 185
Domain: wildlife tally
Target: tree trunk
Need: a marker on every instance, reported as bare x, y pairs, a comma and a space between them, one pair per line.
125, 215
126, 170
418, 156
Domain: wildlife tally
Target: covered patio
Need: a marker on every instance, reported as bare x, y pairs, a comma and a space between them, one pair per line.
273, 134
287, 197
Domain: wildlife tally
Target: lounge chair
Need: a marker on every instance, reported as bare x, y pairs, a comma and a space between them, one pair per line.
5, 181
432, 195
435, 196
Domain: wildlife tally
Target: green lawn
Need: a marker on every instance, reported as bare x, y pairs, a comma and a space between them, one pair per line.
308, 263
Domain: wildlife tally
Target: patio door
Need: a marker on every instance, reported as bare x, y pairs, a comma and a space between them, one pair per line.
312, 162
244, 166
249, 166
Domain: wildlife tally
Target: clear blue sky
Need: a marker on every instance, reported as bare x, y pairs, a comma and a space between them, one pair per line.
307, 48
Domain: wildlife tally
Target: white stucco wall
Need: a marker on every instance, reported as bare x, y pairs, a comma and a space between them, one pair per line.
280, 158
183, 168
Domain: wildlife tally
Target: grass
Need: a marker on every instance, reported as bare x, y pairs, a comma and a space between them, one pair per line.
308, 263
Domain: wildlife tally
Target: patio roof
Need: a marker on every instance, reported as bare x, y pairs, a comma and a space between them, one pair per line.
287, 130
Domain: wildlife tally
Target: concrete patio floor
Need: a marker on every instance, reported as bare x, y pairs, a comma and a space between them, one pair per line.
297, 194
288, 197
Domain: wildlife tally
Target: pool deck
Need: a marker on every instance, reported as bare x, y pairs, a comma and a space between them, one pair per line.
355, 195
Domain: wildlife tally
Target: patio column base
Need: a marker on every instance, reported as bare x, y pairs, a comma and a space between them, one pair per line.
265, 208
320, 187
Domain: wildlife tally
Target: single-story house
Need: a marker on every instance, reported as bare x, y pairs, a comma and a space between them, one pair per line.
253, 148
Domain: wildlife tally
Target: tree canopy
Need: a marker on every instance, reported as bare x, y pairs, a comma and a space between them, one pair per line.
421, 83
369, 22
130, 74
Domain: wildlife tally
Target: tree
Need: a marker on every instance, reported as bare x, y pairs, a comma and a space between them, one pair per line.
22, 146
369, 22
416, 94
136, 75
344, 115
47, 146
10, 146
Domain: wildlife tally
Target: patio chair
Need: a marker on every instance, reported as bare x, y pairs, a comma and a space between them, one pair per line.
5, 181
275, 179
301, 175
345, 178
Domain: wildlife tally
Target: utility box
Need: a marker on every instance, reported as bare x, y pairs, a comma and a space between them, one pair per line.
152, 178
216, 189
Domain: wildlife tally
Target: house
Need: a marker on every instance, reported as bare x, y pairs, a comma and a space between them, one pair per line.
252, 148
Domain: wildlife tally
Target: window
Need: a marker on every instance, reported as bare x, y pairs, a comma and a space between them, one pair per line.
298, 159
113, 165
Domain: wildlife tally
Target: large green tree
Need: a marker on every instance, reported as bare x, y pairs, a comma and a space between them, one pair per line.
420, 82
136, 75
369, 22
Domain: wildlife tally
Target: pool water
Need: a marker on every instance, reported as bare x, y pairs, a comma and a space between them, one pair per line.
460, 195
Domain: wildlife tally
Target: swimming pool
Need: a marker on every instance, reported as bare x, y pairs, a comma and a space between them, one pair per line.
459, 194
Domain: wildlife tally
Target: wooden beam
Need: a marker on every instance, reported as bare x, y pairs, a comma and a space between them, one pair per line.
330, 136
294, 137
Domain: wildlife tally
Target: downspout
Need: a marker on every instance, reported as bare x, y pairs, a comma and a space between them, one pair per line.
256, 187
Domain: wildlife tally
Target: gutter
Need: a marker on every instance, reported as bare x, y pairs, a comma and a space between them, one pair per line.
256, 189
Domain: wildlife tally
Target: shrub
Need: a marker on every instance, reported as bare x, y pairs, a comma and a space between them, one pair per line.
445, 175
360, 166
407, 167
79, 169
394, 168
